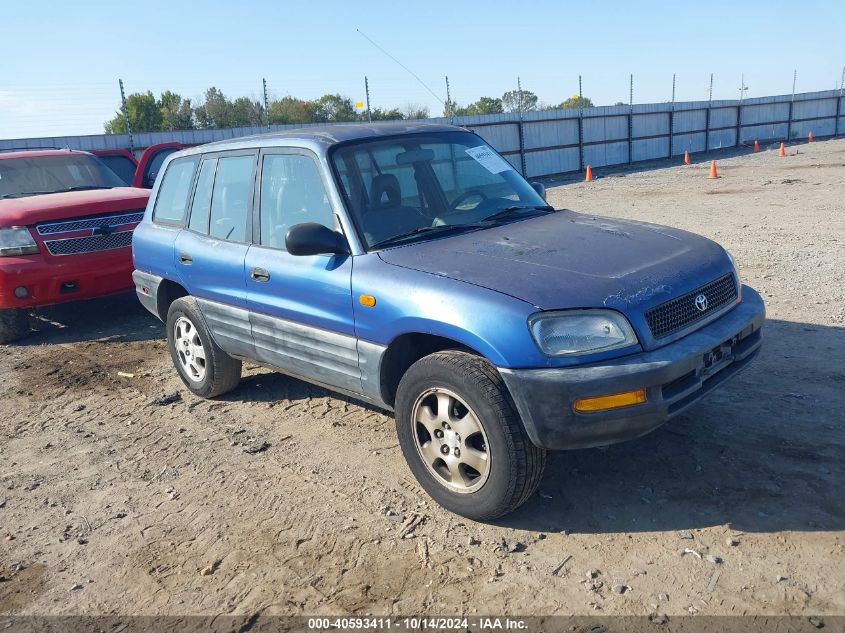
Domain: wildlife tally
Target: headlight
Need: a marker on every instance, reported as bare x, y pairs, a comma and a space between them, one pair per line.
17, 240
579, 331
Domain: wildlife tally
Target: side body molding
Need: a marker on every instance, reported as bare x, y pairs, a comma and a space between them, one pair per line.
333, 360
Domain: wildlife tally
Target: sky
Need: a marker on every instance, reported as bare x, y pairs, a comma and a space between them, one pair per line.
61, 60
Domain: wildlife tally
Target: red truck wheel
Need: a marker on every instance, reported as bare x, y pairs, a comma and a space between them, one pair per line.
14, 325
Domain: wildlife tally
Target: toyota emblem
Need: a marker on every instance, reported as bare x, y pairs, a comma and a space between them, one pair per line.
701, 303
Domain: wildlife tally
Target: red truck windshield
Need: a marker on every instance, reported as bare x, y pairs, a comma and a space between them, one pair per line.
34, 175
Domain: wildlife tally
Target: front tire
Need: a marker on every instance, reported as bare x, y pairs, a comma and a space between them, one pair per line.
462, 438
14, 325
205, 369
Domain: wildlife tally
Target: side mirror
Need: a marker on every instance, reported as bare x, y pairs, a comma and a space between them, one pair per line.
540, 188
311, 238
150, 179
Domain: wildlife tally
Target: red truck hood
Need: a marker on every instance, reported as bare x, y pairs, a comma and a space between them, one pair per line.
70, 204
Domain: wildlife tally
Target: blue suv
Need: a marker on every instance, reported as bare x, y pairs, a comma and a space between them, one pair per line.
410, 266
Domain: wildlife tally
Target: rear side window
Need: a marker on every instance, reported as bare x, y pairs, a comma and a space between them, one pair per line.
121, 165
230, 198
202, 197
172, 201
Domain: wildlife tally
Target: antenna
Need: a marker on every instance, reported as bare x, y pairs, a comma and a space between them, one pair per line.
411, 72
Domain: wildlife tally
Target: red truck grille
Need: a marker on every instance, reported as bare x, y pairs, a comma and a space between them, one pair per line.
90, 234
82, 224
89, 244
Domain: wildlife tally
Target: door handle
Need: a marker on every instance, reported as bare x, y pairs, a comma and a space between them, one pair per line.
185, 258
259, 274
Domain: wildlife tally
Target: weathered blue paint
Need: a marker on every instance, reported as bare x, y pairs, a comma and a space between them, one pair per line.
477, 289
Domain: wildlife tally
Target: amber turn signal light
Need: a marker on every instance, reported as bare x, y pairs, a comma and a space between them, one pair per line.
367, 300
611, 401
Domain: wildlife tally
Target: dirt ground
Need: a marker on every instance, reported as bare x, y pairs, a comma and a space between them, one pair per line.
128, 495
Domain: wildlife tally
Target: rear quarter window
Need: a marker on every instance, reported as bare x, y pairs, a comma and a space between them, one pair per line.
172, 201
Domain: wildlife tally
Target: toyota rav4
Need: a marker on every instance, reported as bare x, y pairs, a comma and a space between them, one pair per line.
412, 267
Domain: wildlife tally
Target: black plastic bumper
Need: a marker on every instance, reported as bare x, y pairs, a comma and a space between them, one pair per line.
674, 376
146, 287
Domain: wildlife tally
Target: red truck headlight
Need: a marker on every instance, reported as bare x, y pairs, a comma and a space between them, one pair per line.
16, 240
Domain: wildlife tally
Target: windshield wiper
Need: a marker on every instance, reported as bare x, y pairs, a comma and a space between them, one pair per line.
443, 228
22, 194
517, 207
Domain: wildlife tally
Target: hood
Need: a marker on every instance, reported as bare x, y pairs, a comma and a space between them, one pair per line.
570, 260
70, 204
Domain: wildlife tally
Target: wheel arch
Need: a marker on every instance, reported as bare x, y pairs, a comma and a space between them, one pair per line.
168, 292
406, 349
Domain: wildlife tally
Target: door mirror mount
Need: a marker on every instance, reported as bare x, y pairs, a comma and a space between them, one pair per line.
540, 188
311, 238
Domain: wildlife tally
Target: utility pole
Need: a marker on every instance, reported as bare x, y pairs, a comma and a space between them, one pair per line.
266, 104
707, 119
631, 120
673, 89
367, 93
125, 114
791, 105
450, 110
521, 126
742, 88
580, 94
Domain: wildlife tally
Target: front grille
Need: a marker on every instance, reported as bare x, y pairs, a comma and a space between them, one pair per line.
89, 244
82, 224
681, 312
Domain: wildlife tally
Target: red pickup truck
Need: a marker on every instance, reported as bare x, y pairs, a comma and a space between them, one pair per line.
66, 223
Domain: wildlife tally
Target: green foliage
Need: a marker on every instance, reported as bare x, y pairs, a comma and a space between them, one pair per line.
173, 112
144, 114
385, 115
576, 102
511, 101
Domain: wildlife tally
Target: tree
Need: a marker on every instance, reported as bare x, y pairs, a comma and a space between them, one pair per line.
415, 111
290, 110
246, 113
485, 105
451, 108
378, 114
216, 112
334, 108
511, 101
576, 102
143, 112
176, 112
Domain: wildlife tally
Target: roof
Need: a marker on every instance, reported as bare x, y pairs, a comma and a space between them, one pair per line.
33, 153
324, 136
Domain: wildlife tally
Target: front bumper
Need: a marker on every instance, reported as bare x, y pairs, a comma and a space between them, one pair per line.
60, 279
674, 376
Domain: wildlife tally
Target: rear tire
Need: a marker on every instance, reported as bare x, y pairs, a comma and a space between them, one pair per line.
462, 438
205, 369
14, 325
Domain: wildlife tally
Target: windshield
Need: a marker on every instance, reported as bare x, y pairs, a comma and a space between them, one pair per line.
33, 175
422, 184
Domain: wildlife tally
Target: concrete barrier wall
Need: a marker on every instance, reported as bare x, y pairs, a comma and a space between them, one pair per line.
553, 142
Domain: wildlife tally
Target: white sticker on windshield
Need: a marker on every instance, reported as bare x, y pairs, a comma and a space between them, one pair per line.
488, 159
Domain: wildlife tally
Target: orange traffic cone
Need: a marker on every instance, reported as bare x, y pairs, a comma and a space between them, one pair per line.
810, 137
713, 172
756, 146
686, 158
782, 150
589, 175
